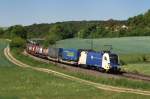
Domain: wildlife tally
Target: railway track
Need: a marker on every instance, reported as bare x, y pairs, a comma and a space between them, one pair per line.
96, 85
73, 68
124, 74
136, 76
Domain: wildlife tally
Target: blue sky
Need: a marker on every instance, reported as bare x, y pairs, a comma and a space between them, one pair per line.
27, 12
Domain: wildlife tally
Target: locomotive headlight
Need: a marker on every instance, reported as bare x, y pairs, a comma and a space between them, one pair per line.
107, 66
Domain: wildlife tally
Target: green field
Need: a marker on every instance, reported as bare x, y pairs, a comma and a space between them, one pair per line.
134, 52
100, 79
21, 83
123, 45
143, 68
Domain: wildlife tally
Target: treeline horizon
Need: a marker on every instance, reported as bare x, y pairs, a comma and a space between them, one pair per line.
135, 26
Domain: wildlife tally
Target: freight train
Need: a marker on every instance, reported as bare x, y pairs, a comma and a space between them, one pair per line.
98, 60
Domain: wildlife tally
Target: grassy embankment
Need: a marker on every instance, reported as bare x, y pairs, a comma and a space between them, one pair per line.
123, 82
19, 83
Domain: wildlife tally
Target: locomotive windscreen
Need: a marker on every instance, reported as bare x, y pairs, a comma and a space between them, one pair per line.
114, 58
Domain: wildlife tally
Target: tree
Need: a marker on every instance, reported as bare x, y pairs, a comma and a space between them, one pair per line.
51, 38
87, 32
18, 31
1, 32
18, 42
53, 35
56, 31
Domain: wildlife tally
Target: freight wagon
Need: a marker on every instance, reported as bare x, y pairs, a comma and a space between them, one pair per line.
53, 53
69, 56
45, 51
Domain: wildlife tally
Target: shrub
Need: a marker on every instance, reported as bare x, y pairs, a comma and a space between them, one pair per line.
133, 58
122, 62
18, 42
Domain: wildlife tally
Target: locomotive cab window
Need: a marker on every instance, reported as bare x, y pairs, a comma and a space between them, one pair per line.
114, 58
105, 58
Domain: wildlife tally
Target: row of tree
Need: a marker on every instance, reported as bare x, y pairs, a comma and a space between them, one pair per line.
135, 26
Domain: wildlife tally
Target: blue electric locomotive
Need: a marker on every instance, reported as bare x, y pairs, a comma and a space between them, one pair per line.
99, 60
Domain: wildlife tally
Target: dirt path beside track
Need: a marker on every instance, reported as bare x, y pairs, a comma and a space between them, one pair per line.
86, 82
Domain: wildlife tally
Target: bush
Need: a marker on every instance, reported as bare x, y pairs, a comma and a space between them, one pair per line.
133, 58
18, 42
1, 32
122, 62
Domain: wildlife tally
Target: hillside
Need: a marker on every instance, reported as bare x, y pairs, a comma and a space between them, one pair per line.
72, 27
135, 26
123, 45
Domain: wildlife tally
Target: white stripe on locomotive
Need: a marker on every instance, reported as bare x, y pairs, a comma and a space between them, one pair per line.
106, 61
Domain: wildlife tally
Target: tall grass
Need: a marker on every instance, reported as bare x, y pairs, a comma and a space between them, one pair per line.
105, 80
123, 45
143, 68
